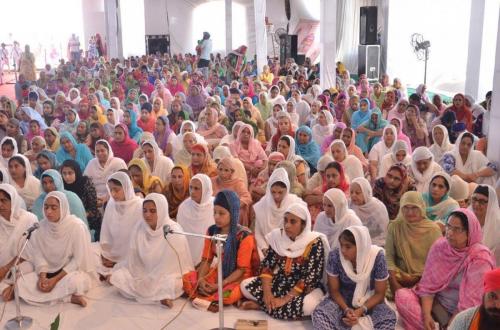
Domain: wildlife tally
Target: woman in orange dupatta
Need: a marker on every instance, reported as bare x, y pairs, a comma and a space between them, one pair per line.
226, 179
349, 137
177, 189
201, 161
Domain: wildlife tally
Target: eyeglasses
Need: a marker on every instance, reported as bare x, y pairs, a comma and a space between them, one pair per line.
457, 230
479, 201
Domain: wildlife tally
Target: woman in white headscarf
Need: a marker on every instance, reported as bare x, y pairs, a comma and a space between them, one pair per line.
357, 277
336, 216
158, 164
382, 148
113, 119
371, 211
14, 221
8, 148
196, 213
122, 213
441, 143
152, 271
289, 286
222, 152
352, 165
399, 155
323, 128
422, 168
484, 204
469, 164
275, 97
186, 126
271, 207
286, 146
101, 167
61, 253
27, 186
316, 179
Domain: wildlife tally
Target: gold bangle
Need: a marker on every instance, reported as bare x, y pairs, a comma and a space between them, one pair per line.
266, 276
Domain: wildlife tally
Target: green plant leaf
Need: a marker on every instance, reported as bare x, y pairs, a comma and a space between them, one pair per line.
55, 325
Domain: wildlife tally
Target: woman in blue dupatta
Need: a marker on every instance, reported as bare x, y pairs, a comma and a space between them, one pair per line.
28, 114
70, 149
51, 180
134, 131
45, 160
357, 119
438, 203
306, 147
373, 127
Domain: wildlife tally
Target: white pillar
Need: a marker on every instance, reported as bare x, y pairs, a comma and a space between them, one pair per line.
493, 134
260, 33
113, 28
328, 44
229, 25
93, 20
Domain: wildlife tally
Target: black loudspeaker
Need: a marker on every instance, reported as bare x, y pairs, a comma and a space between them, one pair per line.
158, 43
369, 61
288, 47
368, 25
300, 60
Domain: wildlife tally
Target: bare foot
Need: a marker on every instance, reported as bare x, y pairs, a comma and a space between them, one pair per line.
78, 300
167, 302
8, 293
249, 305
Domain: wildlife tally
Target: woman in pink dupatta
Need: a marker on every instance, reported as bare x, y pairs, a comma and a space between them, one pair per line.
453, 276
398, 123
249, 150
337, 134
163, 93
175, 87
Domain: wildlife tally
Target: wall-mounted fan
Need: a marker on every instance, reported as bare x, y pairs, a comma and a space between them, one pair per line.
421, 49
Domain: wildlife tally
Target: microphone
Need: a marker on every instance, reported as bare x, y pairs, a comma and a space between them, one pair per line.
31, 229
167, 230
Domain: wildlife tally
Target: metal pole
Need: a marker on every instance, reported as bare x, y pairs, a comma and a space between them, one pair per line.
219, 279
425, 69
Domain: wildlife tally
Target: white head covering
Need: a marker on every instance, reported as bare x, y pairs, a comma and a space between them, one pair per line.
373, 213
12, 230
55, 244
291, 151
99, 174
344, 217
352, 165
162, 166
120, 218
4, 162
152, 263
283, 245
116, 116
439, 150
319, 132
196, 217
422, 180
5, 175
365, 260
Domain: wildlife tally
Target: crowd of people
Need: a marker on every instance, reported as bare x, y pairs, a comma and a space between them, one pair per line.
333, 200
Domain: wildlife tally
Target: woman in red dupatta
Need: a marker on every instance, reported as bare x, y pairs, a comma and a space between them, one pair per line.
249, 150
285, 127
462, 112
201, 162
122, 145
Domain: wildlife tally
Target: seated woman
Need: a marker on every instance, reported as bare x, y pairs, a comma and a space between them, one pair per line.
45, 160
399, 155
352, 165
196, 213
336, 216
151, 257
83, 187
183, 155
122, 145
286, 145
221, 152
291, 169
422, 168
258, 187
337, 134
37, 145
316, 180
61, 253
226, 179
469, 164
14, 221
349, 138
409, 238
210, 129
484, 204
381, 149
70, 149
374, 128
452, 280
177, 190
141, 176
158, 164
289, 286
201, 162
462, 191
249, 150
51, 180
101, 167
8, 147
269, 211
284, 128
372, 212
164, 135
357, 280
121, 215
441, 143
239, 259
438, 203
391, 187
27, 186
130, 120
323, 127
307, 148
113, 119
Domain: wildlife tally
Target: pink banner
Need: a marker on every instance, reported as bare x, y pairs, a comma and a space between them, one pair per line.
307, 32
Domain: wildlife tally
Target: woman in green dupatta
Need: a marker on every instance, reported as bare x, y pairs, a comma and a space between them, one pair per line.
409, 238
373, 127
438, 202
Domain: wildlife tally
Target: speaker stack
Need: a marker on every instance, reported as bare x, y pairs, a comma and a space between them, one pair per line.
158, 43
368, 49
288, 47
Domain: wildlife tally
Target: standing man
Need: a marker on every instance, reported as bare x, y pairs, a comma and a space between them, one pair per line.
16, 55
74, 48
203, 50
4, 59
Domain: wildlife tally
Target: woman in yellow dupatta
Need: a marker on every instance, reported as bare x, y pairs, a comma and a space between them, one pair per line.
142, 178
409, 238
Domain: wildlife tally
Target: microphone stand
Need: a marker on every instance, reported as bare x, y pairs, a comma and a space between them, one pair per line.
219, 239
19, 322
